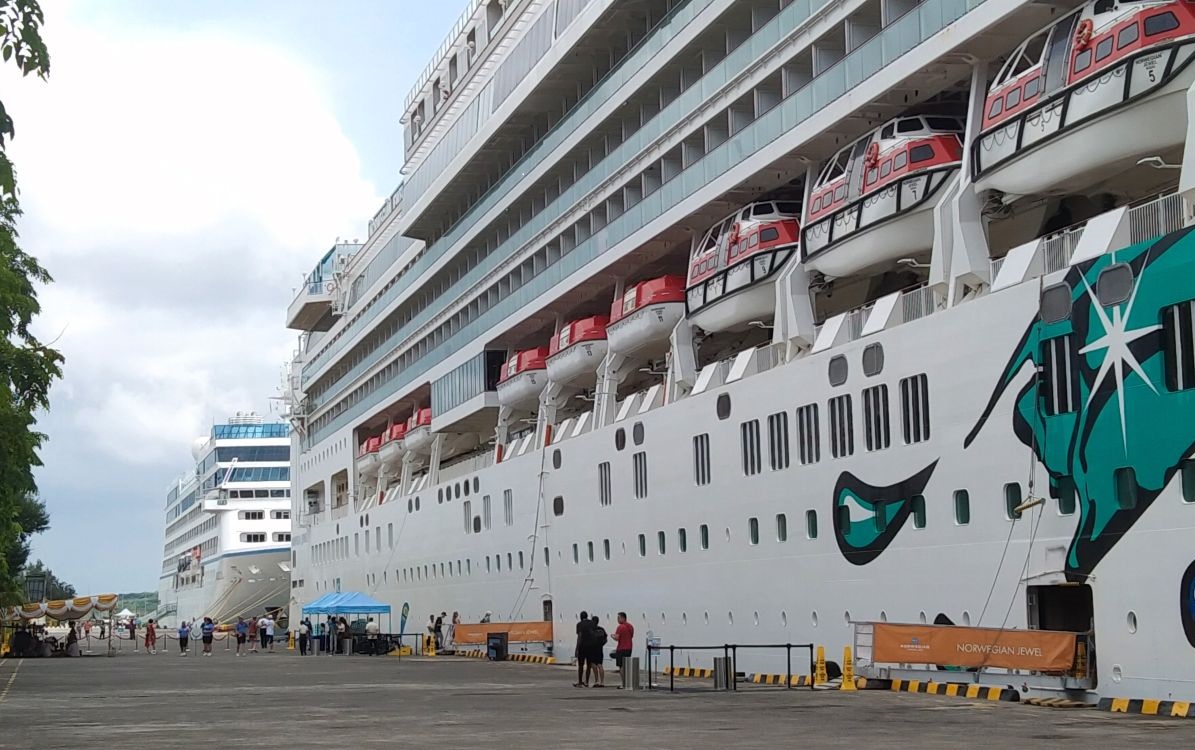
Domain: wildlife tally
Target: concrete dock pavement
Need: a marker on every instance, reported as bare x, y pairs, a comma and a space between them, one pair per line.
143, 702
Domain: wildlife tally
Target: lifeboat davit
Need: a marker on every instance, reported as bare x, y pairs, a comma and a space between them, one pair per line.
367, 459
1086, 97
393, 447
872, 203
642, 321
418, 435
732, 266
523, 377
578, 350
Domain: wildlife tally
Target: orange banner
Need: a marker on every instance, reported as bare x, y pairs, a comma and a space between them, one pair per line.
518, 632
946, 645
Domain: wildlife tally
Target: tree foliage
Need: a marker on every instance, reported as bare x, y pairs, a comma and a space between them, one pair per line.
56, 588
27, 366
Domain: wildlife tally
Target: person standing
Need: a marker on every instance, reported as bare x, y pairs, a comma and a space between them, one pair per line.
597, 642
242, 630
624, 640
304, 632
438, 631
151, 637
261, 630
133, 633
371, 635
184, 638
207, 632
343, 637
270, 632
584, 626
450, 636
253, 629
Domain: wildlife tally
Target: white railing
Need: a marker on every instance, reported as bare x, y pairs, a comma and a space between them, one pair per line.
918, 303
855, 320
1057, 249
447, 44
1158, 217
995, 266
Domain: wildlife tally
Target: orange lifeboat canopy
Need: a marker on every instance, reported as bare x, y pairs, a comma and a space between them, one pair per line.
524, 361
586, 329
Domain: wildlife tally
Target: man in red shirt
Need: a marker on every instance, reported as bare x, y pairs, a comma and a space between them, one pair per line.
624, 639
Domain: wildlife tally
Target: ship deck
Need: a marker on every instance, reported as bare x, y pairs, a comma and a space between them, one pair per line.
163, 701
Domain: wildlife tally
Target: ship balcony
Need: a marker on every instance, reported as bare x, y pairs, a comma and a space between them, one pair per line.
311, 309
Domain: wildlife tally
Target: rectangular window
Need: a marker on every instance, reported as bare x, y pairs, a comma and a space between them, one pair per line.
640, 465
1178, 341
1126, 487
753, 530
508, 506
485, 512
604, 483
642, 545
914, 409
875, 417
1060, 376
918, 508
589, 549
749, 440
842, 431
682, 540
281, 536
605, 549
811, 524
781, 527
778, 441
660, 542
705, 536
962, 507
1127, 36
1012, 498
252, 538
808, 435
468, 508
357, 544
701, 459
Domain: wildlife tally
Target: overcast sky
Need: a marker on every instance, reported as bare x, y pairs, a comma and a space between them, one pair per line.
183, 167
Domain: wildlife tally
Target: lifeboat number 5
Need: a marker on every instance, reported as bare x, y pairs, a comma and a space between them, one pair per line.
1083, 34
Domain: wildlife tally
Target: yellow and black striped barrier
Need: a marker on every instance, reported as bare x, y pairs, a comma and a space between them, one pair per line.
795, 680
1057, 703
1146, 707
531, 658
689, 671
952, 689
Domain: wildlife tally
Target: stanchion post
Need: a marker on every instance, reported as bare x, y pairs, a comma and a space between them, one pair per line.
671, 669
734, 668
788, 668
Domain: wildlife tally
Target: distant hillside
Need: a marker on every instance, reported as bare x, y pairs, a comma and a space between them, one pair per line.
142, 603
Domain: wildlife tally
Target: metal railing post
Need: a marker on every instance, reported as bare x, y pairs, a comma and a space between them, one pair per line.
671, 668
788, 668
734, 668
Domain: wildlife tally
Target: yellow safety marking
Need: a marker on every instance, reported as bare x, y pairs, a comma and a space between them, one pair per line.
914, 685
11, 678
972, 691
1150, 708
952, 690
1120, 705
1180, 708
993, 694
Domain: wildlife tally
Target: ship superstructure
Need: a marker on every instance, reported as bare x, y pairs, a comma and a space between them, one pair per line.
764, 320
228, 525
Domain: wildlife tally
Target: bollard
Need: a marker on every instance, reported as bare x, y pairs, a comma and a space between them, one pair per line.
848, 670
290, 640
819, 674
430, 647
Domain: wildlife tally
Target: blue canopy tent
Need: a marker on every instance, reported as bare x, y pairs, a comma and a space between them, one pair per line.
347, 603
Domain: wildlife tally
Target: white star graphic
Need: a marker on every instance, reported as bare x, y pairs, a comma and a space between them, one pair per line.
1115, 341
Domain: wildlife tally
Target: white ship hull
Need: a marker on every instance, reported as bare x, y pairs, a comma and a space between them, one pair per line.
231, 589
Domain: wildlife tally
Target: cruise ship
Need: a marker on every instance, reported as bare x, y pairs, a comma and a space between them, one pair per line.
228, 526
775, 321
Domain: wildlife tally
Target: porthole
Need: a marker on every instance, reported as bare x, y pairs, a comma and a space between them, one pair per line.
457, 490
476, 484
663, 618
1132, 621
558, 506
846, 618
813, 618
723, 406
1114, 285
922, 618
706, 616
727, 533
556, 459
416, 502
338, 525
873, 359
410, 506
1056, 303
620, 439
440, 498
467, 487
440, 495
636, 434
838, 370
966, 619
684, 618
755, 618
624, 549
883, 616
730, 617
477, 526
783, 619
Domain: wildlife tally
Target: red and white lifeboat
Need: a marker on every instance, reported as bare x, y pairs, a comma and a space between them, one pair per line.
732, 266
642, 321
418, 436
523, 377
392, 449
578, 350
1085, 98
888, 179
367, 458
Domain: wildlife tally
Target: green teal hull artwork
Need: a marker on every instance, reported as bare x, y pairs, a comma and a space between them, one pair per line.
1124, 429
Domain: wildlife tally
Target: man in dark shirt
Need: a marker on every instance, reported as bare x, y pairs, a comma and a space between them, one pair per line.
584, 628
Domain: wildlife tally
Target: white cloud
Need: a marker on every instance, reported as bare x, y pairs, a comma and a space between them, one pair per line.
176, 184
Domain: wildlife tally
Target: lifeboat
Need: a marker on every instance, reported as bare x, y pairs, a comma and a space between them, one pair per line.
872, 203
732, 266
1087, 97
418, 436
523, 377
367, 459
392, 449
641, 322
578, 350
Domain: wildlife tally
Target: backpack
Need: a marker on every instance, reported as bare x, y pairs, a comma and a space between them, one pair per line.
599, 636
